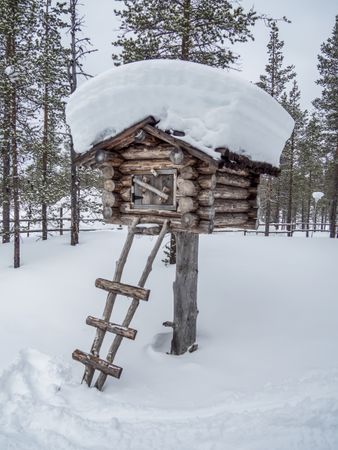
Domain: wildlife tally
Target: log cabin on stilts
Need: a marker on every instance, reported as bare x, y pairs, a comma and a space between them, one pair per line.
181, 148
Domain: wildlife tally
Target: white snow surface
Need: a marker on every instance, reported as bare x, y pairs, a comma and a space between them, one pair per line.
265, 376
213, 108
317, 195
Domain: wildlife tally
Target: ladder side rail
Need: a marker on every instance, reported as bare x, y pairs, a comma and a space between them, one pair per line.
134, 304
100, 334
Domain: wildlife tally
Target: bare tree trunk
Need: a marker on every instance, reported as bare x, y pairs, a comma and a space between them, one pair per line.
45, 139
277, 210
309, 198
185, 293
186, 44
290, 188
268, 207
6, 165
74, 186
334, 202
15, 171
74, 236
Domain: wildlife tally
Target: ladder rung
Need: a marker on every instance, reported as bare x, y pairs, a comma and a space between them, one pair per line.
148, 231
111, 327
97, 363
123, 289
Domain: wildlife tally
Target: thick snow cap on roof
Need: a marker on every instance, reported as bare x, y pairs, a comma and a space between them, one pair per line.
212, 107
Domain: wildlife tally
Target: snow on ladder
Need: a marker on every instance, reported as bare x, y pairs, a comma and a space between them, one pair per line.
91, 360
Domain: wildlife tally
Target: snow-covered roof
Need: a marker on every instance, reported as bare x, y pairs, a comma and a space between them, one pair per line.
212, 107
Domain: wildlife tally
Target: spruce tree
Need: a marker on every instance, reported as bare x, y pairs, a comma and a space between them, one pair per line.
52, 89
290, 155
312, 168
79, 48
328, 106
202, 31
17, 27
274, 82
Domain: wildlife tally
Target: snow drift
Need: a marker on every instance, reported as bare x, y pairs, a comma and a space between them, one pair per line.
213, 108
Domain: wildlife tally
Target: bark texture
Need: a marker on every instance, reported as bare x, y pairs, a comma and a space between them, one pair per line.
185, 293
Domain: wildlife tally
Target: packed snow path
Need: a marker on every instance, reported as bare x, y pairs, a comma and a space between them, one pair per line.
265, 375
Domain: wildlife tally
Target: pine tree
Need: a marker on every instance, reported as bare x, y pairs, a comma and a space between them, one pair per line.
312, 168
274, 82
328, 106
79, 48
52, 89
17, 27
290, 155
200, 31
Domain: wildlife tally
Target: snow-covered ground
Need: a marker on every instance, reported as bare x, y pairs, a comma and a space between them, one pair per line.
265, 376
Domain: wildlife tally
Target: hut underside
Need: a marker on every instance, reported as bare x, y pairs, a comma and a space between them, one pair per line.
208, 194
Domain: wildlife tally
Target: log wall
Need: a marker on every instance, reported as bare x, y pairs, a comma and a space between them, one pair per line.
207, 197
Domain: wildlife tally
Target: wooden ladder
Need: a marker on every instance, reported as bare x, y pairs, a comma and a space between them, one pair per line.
91, 360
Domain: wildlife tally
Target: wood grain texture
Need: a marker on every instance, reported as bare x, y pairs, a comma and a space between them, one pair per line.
95, 363
185, 293
128, 333
122, 289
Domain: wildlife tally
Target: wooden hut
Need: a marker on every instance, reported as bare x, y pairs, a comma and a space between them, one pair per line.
154, 175
155, 180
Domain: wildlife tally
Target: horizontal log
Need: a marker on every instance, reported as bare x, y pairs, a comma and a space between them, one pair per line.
253, 190
97, 363
131, 167
176, 156
228, 219
143, 152
206, 169
251, 224
189, 148
110, 213
187, 204
125, 194
206, 198
221, 205
253, 213
123, 289
125, 208
189, 220
107, 172
233, 180
231, 193
203, 226
206, 212
109, 185
148, 231
128, 333
104, 156
186, 188
239, 172
207, 181
107, 212
110, 199
188, 173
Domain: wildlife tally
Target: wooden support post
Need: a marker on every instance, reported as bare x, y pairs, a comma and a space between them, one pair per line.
185, 293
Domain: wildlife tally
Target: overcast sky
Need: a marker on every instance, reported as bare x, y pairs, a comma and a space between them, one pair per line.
312, 24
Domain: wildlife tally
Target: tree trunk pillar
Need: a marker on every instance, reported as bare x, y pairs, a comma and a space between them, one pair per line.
185, 293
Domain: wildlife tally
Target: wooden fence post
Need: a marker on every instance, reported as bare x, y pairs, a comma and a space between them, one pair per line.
61, 221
